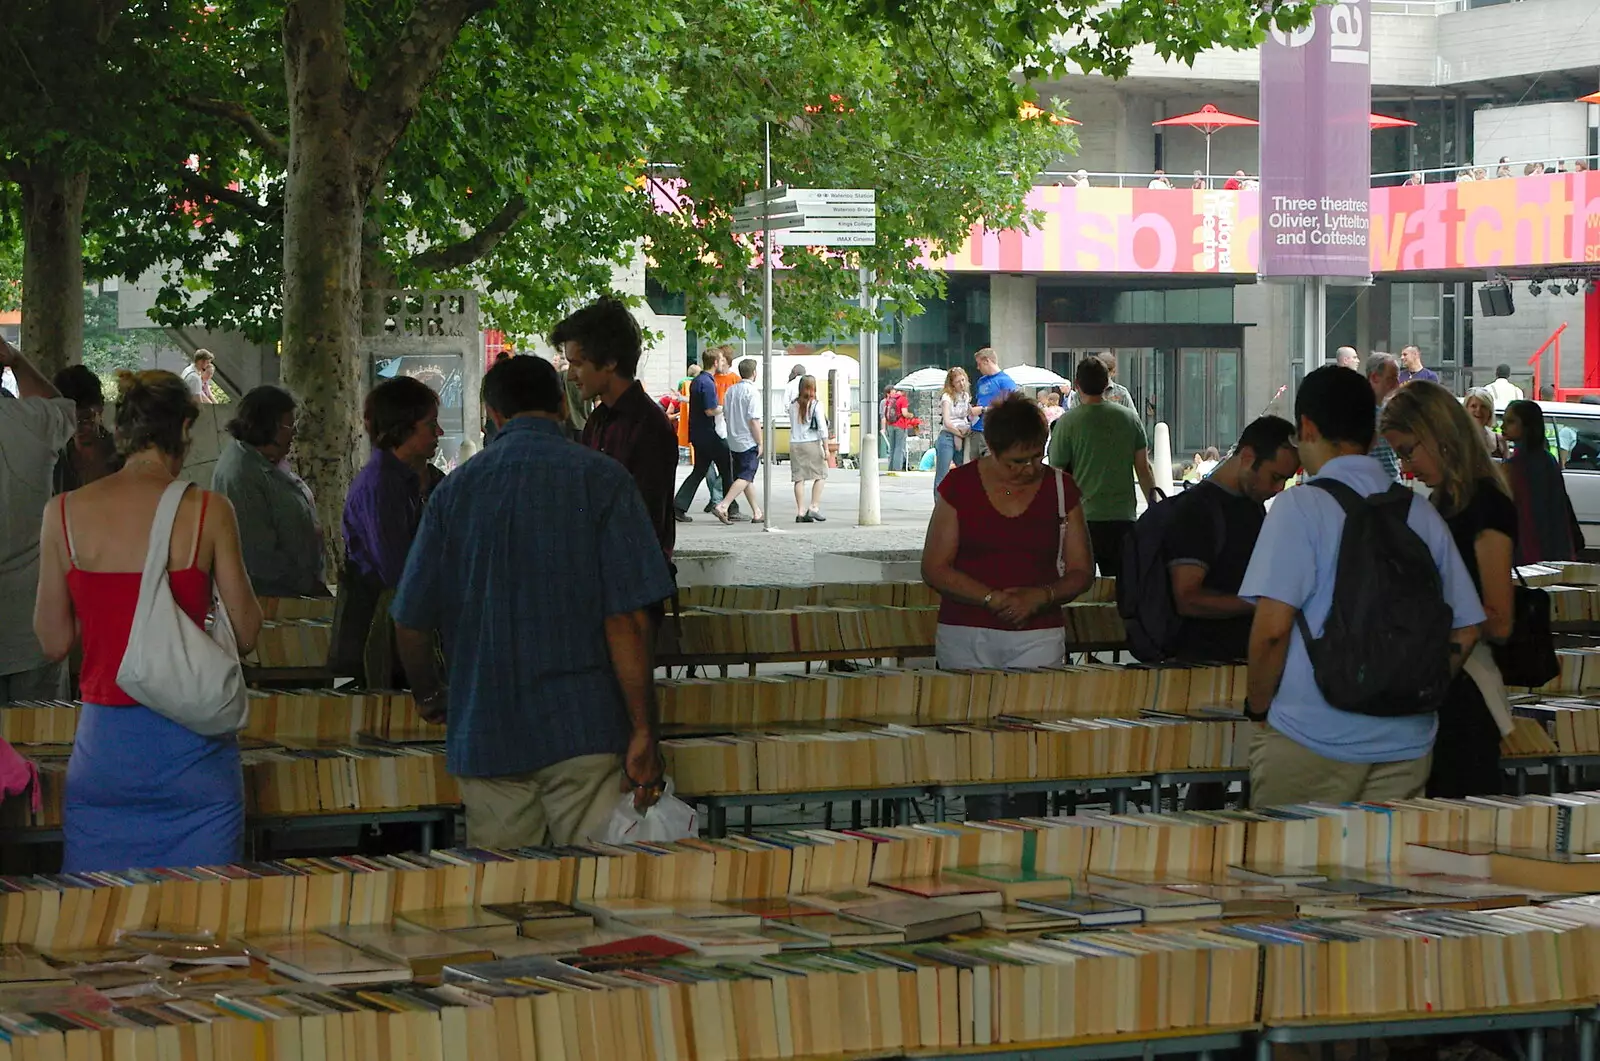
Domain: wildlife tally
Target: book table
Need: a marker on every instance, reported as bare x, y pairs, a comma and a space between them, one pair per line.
1203, 1043
1531, 1022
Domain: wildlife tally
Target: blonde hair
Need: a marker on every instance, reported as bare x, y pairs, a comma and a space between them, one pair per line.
1431, 414
808, 384
950, 387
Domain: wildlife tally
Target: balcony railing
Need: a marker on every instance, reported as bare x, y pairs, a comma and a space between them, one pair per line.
1438, 175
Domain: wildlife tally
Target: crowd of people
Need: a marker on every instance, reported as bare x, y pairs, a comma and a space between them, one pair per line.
528, 628
1213, 575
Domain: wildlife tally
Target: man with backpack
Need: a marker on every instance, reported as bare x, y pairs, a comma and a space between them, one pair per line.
1364, 613
1179, 584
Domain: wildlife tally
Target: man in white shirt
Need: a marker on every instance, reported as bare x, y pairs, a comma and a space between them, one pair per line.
1502, 389
791, 390
742, 409
33, 429
197, 376
1160, 180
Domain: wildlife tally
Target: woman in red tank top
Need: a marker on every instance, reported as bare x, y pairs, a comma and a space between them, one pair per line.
1006, 548
142, 791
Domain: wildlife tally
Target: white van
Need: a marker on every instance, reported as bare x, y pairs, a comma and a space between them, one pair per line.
846, 373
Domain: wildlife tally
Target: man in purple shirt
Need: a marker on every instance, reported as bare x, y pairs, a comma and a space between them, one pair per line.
381, 514
1411, 367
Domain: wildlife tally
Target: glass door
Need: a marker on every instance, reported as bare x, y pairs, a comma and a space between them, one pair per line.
1209, 399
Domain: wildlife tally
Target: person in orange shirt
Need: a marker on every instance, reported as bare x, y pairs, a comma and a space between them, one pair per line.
725, 377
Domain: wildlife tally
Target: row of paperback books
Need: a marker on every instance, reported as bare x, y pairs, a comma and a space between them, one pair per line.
292, 643
1571, 725
318, 716
290, 608
801, 629
976, 954
1005, 750
285, 781
886, 594
69, 911
1094, 690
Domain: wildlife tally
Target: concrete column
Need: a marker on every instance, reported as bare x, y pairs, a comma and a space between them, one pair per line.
1014, 318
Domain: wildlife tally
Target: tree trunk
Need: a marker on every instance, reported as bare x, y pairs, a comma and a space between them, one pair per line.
52, 266
323, 209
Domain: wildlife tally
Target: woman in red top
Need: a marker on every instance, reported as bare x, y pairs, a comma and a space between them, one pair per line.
142, 791
1006, 548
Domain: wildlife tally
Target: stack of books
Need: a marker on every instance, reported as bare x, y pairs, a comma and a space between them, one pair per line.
39, 722
798, 630
278, 608
1571, 725
292, 644
314, 780
887, 594
1094, 623
1016, 749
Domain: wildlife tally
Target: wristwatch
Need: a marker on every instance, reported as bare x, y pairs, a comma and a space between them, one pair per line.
1251, 715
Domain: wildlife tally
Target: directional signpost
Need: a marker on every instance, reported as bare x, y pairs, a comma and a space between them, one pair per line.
818, 217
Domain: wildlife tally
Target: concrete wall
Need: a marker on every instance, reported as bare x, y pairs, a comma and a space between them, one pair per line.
1529, 131
1513, 339
1510, 40
1267, 345
241, 364
666, 356
1014, 318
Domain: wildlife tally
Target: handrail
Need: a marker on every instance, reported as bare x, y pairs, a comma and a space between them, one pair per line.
1555, 338
1180, 180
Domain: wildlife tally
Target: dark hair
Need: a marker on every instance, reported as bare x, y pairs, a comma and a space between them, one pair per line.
747, 368
1502, 371
393, 408
153, 408
202, 355
79, 383
797, 371
708, 357
1265, 436
523, 385
606, 333
1015, 421
1531, 417
260, 413
1091, 378
1339, 401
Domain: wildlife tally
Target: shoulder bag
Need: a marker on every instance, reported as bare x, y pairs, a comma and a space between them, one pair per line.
173, 666
1528, 656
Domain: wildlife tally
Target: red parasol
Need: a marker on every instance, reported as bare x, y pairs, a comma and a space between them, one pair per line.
1208, 120
1593, 97
1383, 121
1032, 110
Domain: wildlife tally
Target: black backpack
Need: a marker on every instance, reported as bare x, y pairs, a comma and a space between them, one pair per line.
1385, 649
1144, 585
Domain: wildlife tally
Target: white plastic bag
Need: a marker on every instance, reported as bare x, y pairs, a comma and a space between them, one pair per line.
670, 819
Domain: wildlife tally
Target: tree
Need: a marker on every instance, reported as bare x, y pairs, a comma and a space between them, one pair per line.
523, 147
76, 78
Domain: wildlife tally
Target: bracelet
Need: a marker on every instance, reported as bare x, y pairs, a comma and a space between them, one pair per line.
1049, 595
987, 597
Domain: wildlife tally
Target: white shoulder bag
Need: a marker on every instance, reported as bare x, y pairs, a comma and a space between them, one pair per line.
172, 666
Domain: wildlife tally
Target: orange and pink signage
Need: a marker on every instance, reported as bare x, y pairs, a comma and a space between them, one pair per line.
1514, 221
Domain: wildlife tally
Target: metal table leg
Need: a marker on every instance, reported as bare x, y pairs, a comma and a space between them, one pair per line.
1536, 1044
939, 808
827, 815
427, 836
1119, 801
855, 814
1263, 1049
749, 819
1586, 1036
716, 820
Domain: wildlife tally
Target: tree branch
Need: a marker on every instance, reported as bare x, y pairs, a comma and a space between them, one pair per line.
456, 255
399, 77
241, 116
210, 189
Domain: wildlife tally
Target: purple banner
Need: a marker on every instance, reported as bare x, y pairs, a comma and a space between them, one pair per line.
1316, 147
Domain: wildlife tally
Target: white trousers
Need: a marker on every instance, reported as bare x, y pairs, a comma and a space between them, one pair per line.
979, 648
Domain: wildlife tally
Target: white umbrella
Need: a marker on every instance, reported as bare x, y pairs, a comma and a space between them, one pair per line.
923, 379
1033, 376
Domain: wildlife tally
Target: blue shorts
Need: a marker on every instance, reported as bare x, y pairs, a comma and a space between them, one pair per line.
746, 463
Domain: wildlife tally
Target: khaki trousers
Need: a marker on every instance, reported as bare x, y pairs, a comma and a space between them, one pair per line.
564, 803
1283, 771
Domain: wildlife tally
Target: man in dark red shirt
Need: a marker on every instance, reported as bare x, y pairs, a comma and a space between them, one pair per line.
603, 344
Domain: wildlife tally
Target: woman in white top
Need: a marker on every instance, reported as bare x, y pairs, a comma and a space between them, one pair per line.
955, 424
808, 430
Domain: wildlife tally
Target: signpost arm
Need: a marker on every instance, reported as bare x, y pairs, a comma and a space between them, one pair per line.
769, 450
869, 512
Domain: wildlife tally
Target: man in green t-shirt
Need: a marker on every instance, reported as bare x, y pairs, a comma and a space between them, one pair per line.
1102, 445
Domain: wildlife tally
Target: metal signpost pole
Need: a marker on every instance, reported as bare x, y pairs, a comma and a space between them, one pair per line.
869, 510
769, 452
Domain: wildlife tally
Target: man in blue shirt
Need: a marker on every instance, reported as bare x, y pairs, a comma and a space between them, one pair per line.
710, 449
537, 563
993, 386
1310, 750
1411, 367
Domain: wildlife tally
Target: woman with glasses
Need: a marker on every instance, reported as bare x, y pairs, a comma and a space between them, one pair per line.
91, 454
277, 520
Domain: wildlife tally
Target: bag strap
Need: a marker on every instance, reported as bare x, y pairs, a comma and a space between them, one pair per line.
66, 532
1061, 530
1348, 499
155, 559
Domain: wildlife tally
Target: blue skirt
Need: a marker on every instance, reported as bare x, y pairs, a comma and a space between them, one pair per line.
144, 792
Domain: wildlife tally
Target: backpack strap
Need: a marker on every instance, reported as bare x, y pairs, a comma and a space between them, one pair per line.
1348, 499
